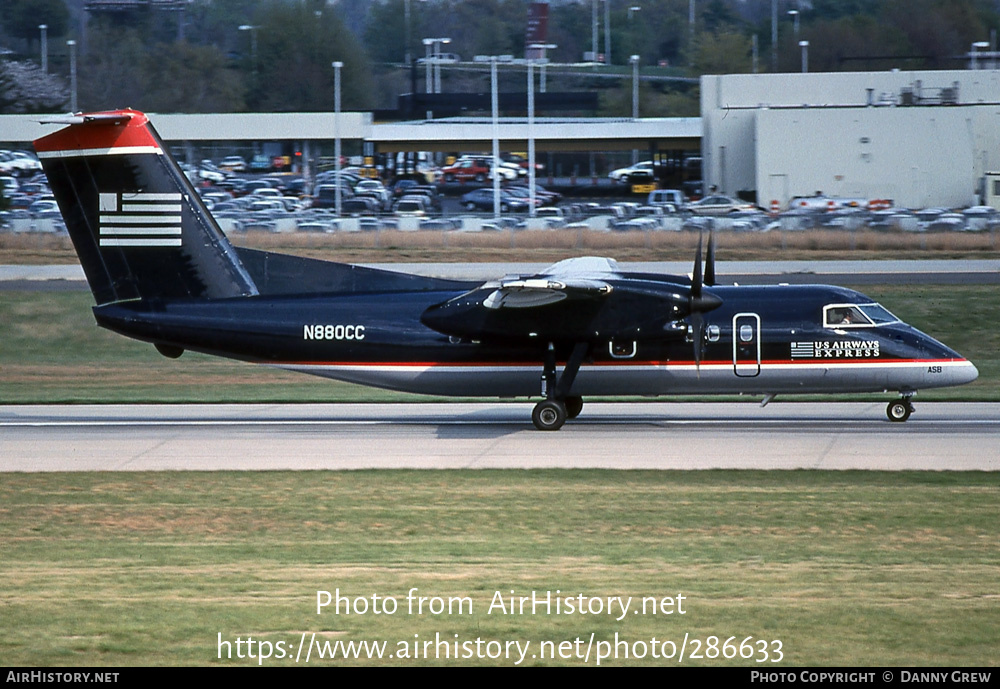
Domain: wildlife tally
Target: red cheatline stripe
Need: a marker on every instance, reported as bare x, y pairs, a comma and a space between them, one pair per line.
106, 133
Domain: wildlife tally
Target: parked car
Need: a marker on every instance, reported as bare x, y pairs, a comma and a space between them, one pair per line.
525, 194
402, 186
431, 193
208, 172
360, 205
233, 164
548, 198
623, 174
375, 189
667, 197
475, 169
44, 208
19, 164
482, 199
521, 162
325, 196
719, 205
409, 206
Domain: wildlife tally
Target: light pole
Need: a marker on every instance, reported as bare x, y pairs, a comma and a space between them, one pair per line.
975, 48
433, 59
607, 32
593, 30
631, 11
634, 61
774, 35
253, 45
805, 55
406, 34
495, 113
336, 131
72, 75
428, 74
44, 28
542, 60
531, 139
437, 63
795, 23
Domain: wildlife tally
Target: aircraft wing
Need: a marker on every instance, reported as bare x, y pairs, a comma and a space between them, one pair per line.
584, 299
526, 293
583, 265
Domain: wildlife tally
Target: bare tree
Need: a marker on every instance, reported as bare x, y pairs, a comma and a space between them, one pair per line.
24, 88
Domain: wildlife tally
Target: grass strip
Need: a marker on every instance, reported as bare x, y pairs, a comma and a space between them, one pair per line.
844, 568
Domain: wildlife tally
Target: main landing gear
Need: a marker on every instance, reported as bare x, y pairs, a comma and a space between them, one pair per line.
559, 405
900, 410
551, 414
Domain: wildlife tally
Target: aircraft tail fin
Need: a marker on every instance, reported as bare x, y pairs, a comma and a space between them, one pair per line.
138, 225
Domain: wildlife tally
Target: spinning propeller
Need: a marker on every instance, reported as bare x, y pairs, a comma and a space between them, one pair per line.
700, 301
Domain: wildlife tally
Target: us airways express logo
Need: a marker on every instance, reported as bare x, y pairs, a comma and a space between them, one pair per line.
836, 350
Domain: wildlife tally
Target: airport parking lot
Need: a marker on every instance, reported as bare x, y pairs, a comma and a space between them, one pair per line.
279, 203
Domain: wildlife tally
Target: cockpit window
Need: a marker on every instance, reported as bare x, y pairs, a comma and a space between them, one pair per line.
878, 313
856, 316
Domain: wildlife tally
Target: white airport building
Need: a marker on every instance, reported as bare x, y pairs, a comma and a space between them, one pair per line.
919, 138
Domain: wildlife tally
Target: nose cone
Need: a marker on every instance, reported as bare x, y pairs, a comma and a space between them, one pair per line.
945, 366
963, 372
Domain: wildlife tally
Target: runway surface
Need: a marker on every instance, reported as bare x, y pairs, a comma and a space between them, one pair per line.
934, 271
952, 436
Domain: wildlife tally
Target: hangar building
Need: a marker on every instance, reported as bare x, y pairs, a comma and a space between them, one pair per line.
920, 138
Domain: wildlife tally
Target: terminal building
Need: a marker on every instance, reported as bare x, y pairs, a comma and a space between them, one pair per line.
921, 139
917, 138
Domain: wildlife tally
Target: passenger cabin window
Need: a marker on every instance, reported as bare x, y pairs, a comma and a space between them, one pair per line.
856, 316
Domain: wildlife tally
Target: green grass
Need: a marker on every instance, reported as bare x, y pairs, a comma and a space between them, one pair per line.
51, 351
844, 568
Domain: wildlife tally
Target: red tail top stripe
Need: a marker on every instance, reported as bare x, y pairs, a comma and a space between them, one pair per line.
104, 132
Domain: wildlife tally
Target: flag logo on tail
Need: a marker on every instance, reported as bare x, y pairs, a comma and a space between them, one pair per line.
140, 220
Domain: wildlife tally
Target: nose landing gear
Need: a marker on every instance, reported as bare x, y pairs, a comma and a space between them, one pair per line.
900, 410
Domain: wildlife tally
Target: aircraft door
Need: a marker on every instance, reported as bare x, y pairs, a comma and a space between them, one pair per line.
746, 345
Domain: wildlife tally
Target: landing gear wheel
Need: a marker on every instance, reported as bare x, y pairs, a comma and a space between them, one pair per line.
549, 415
899, 411
574, 405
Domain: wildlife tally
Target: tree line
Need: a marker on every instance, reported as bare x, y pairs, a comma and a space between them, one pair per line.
276, 55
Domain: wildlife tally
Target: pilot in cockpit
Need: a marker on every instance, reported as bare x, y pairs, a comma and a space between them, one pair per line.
842, 316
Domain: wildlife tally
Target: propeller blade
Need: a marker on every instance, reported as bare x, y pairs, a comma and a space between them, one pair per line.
696, 278
710, 260
697, 338
698, 301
